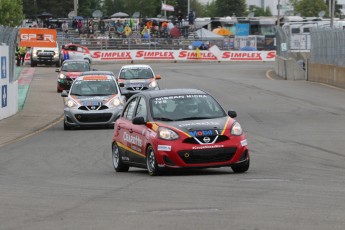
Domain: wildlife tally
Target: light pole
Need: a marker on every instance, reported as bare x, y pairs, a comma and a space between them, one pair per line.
278, 19
76, 7
188, 6
332, 7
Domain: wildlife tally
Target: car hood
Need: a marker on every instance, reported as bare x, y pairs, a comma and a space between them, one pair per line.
93, 100
204, 127
136, 82
72, 75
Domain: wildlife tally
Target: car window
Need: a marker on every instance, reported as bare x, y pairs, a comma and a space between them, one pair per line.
79, 49
136, 73
186, 107
129, 110
94, 88
141, 109
75, 66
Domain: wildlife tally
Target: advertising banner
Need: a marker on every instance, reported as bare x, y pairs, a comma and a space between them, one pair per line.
37, 37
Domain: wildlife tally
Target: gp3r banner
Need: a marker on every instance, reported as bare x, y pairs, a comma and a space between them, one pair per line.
37, 37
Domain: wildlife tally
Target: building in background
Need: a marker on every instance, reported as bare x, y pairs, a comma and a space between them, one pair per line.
286, 7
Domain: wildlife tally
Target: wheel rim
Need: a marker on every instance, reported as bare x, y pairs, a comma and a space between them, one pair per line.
115, 156
151, 161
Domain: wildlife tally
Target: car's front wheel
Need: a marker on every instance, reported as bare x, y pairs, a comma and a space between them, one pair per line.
66, 127
241, 167
151, 162
118, 164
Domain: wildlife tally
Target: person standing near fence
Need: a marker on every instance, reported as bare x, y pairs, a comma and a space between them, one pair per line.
64, 28
22, 53
191, 19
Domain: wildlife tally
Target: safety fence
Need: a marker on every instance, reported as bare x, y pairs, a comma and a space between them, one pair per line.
328, 46
8, 36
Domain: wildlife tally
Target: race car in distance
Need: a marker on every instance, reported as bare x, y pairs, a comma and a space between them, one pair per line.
135, 78
93, 100
75, 51
177, 128
70, 70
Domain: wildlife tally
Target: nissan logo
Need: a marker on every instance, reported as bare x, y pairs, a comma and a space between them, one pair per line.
206, 139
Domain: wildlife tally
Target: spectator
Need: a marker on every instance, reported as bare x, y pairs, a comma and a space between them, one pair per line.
101, 26
120, 31
191, 19
74, 24
128, 31
179, 17
175, 32
79, 26
248, 47
146, 33
64, 28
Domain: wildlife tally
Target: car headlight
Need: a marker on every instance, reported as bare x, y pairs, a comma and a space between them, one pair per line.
62, 76
34, 53
167, 134
153, 84
236, 129
71, 104
115, 102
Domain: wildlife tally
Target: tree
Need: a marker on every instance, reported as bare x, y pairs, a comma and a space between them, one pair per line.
337, 8
310, 8
11, 12
210, 9
258, 11
231, 7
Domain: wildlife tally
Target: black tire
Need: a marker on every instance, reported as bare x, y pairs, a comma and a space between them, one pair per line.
151, 162
118, 164
241, 167
66, 127
33, 64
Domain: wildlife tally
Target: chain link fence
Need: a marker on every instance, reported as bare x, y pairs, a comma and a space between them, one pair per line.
283, 44
8, 36
328, 46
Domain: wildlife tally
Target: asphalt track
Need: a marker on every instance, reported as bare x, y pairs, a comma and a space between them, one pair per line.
60, 179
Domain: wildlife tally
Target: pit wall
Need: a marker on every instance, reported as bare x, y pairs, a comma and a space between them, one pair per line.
328, 74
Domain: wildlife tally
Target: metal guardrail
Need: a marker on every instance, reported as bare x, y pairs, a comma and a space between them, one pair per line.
8, 36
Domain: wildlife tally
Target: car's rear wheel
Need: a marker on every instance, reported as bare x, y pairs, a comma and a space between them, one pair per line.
151, 162
241, 167
118, 164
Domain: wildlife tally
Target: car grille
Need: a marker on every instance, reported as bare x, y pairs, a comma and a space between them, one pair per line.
192, 140
45, 53
137, 88
93, 107
207, 155
100, 117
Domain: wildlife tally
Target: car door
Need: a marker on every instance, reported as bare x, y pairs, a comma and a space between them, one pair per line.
140, 131
128, 141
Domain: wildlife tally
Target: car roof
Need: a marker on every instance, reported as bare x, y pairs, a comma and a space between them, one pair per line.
97, 72
170, 92
75, 60
136, 66
98, 77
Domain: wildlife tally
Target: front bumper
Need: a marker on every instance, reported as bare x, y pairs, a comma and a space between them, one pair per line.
182, 155
78, 118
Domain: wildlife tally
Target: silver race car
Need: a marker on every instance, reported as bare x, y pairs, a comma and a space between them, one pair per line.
93, 100
136, 78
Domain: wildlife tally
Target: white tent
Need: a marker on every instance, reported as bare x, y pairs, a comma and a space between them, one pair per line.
206, 34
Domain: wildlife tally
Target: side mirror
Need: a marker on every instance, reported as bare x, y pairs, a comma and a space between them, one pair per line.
122, 84
139, 121
64, 93
158, 77
232, 114
57, 70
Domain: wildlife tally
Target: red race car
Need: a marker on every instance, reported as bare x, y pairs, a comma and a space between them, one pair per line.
177, 128
69, 71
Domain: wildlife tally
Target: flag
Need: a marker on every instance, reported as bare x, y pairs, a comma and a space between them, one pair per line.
167, 7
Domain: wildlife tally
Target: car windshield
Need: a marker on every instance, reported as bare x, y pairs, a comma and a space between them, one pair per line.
185, 107
136, 73
75, 67
93, 87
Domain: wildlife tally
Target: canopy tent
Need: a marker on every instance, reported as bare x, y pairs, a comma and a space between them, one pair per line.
222, 31
206, 34
119, 15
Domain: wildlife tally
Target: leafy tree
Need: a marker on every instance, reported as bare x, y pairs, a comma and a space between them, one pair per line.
310, 8
258, 11
210, 9
87, 7
11, 12
231, 7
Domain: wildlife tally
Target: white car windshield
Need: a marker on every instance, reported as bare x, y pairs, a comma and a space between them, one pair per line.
93, 88
75, 67
136, 73
185, 107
